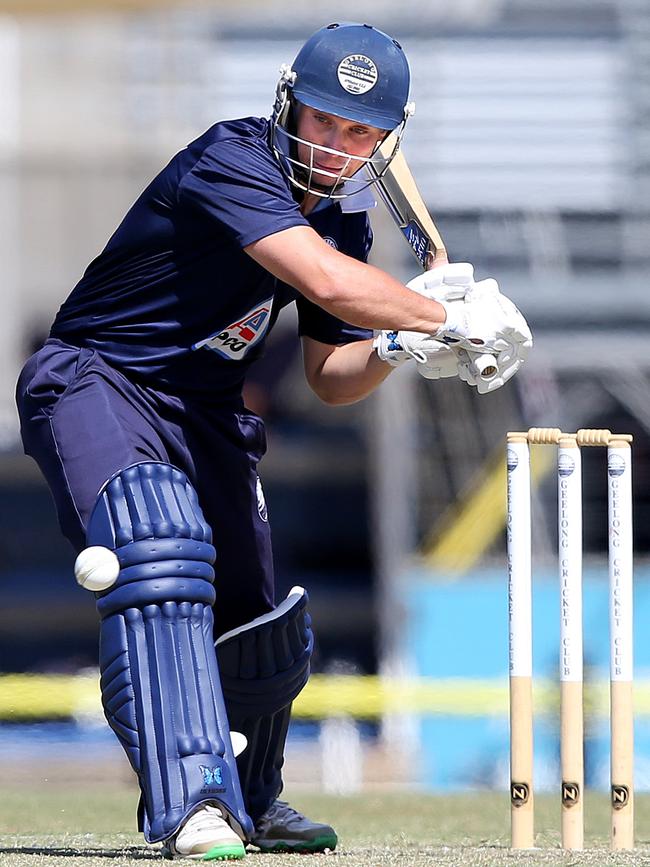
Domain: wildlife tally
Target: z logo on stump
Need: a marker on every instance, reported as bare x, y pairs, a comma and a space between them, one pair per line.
620, 797
570, 794
519, 794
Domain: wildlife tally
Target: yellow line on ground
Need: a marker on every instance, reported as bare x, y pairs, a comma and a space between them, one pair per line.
29, 697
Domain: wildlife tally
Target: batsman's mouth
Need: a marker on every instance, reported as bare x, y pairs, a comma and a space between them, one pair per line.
331, 170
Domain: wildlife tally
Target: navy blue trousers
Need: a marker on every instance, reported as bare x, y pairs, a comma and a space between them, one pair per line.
82, 421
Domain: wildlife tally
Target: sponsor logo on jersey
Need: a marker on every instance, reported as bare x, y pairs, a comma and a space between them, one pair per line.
237, 339
357, 73
329, 240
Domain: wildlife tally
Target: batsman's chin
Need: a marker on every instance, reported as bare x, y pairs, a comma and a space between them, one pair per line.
325, 178
313, 185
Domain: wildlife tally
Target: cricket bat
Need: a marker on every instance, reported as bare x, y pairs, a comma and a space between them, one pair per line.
404, 202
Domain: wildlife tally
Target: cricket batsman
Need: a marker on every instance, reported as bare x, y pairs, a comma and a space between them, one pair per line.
133, 411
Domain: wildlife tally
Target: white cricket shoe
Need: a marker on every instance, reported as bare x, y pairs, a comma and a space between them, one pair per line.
205, 836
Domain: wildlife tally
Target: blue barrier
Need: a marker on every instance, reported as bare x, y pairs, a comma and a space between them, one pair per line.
459, 629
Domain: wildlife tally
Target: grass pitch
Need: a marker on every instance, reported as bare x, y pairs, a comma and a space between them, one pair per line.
87, 825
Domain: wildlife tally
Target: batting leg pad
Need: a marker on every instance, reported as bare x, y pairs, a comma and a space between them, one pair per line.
159, 677
264, 665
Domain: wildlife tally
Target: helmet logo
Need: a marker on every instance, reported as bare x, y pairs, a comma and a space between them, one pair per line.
357, 73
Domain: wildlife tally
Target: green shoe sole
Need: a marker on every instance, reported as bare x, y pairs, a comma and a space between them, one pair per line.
224, 853
318, 844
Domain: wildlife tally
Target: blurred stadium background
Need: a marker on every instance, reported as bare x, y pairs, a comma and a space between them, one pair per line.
530, 143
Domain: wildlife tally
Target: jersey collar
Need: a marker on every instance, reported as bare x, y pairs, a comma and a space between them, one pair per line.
353, 203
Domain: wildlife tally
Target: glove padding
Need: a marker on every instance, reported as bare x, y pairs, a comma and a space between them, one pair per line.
484, 341
447, 283
483, 317
489, 320
507, 362
510, 348
434, 359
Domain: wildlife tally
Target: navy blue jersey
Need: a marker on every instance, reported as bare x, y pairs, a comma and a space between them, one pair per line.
173, 298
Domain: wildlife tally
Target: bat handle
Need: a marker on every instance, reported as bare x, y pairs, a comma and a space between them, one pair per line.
436, 258
485, 366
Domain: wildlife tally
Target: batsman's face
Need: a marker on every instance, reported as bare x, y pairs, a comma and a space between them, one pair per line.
330, 144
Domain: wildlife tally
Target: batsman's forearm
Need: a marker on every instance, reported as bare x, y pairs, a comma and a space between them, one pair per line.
347, 288
370, 298
347, 374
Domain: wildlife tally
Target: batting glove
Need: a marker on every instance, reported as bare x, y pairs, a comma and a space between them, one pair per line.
446, 283
482, 318
435, 360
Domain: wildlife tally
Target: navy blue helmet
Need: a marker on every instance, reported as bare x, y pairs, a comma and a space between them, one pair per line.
355, 72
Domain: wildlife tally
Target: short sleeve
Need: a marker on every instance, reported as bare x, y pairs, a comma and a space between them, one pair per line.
237, 183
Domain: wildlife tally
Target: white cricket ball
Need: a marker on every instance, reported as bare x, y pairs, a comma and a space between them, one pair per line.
96, 568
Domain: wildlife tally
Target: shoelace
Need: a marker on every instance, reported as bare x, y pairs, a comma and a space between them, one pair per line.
202, 818
282, 808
